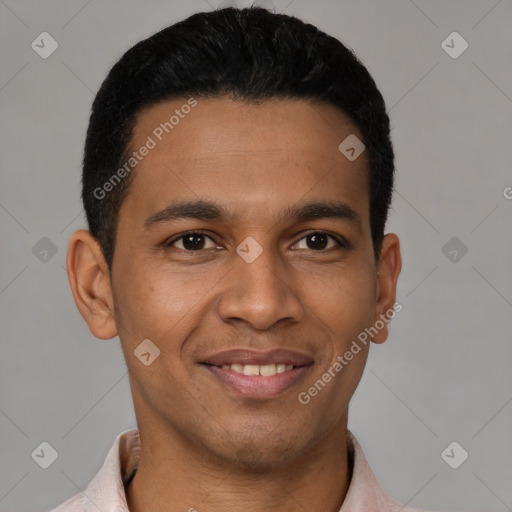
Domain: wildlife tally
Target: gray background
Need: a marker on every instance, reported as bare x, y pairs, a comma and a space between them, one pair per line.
444, 374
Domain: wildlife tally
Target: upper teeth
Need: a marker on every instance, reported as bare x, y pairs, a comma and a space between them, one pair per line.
266, 370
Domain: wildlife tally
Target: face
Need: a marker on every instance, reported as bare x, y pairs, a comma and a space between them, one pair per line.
269, 270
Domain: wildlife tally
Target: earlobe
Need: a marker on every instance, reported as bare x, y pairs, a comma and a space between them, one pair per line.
388, 270
90, 284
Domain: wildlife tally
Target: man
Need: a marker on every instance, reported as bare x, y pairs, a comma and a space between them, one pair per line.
236, 179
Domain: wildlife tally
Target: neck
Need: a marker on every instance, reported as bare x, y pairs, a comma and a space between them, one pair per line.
171, 473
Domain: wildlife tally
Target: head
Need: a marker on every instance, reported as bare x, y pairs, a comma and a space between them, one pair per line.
229, 124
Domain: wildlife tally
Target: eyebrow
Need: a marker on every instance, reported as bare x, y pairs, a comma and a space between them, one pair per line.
207, 210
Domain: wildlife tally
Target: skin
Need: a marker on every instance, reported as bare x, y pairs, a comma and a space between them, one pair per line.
204, 446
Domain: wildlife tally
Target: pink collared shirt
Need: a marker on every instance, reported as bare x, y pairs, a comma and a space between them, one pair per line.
106, 492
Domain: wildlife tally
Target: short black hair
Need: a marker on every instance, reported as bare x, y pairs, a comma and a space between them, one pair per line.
250, 54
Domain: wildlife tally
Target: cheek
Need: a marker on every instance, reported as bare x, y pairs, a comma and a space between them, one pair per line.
345, 308
155, 302
344, 298
158, 307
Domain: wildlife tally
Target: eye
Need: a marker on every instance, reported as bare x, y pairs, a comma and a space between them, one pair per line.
319, 240
191, 241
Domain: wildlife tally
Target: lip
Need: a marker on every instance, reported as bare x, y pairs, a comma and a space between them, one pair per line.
247, 356
258, 386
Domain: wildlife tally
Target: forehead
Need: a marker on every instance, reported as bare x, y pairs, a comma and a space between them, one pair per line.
253, 158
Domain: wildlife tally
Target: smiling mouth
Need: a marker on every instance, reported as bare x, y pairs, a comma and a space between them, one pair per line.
248, 373
258, 382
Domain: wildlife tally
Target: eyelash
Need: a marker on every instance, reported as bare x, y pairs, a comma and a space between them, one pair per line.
341, 242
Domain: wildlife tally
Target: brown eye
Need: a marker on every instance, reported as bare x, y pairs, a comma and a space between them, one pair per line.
192, 241
319, 241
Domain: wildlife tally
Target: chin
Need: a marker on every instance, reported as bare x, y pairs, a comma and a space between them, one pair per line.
263, 451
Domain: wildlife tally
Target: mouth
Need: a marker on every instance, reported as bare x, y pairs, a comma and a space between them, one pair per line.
258, 375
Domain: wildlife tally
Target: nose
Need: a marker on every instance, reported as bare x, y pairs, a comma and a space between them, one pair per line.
260, 293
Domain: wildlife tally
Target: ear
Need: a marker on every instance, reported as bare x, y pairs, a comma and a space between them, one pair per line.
90, 283
388, 270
